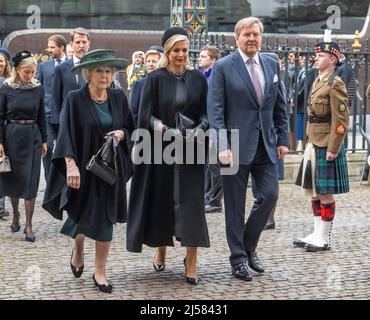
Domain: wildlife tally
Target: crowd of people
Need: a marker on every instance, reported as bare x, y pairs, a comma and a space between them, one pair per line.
71, 112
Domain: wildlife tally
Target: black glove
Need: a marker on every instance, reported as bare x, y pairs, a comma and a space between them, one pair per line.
198, 132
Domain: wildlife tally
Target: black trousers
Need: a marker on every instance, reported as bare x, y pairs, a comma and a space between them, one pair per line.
243, 237
213, 186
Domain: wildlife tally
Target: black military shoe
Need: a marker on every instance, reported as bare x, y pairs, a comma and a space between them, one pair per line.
312, 248
254, 262
299, 243
240, 271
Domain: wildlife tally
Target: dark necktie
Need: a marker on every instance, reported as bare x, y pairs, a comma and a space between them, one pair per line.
80, 81
255, 80
58, 61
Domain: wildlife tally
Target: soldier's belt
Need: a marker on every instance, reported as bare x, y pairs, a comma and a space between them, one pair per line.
319, 119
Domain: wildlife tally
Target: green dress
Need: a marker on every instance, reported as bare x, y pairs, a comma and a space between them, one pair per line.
100, 229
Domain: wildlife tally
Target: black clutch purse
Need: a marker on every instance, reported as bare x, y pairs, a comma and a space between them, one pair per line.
102, 169
184, 123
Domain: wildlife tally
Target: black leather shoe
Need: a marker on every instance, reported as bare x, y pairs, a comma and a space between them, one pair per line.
241, 271
299, 243
106, 288
254, 262
77, 272
311, 248
211, 209
192, 281
15, 228
269, 226
159, 267
30, 238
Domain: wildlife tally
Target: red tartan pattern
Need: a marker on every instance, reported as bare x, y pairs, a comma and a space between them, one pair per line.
316, 208
328, 211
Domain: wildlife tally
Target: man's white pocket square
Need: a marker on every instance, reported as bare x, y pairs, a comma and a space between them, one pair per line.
275, 78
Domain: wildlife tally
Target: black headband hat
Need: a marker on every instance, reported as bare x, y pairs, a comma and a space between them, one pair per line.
19, 56
173, 31
156, 48
329, 47
6, 53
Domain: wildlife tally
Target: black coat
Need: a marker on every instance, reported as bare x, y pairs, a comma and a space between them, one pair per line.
22, 142
64, 81
80, 136
310, 76
153, 219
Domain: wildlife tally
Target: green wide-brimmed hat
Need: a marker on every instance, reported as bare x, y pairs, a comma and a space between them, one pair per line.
100, 58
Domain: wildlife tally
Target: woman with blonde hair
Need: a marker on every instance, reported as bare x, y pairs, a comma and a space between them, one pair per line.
22, 137
167, 200
5, 66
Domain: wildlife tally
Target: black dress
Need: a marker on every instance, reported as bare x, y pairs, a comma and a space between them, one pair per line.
167, 201
101, 228
22, 142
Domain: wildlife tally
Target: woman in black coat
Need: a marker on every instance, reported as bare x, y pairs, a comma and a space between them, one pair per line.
167, 200
91, 114
22, 137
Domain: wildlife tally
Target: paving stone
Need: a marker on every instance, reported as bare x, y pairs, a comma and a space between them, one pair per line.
41, 270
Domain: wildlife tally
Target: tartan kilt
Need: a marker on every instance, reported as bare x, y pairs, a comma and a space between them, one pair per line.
331, 177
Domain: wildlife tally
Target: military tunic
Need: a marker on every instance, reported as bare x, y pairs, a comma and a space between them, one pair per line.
328, 118
328, 101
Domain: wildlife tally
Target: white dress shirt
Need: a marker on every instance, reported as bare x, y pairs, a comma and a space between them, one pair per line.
76, 61
62, 59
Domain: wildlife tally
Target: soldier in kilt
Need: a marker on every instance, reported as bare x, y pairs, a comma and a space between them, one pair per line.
323, 171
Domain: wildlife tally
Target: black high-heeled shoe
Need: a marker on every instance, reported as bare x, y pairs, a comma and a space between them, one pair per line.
77, 272
103, 287
192, 281
158, 267
18, 227
30, 238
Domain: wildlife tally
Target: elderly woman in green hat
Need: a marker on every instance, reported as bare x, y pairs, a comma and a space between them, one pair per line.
93, 206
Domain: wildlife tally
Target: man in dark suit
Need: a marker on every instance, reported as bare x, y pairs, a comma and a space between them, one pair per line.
305, 80
45, 74
246, 94
64, 79
152, 57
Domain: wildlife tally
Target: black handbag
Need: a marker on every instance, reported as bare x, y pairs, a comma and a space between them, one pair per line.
184, 123
102, 169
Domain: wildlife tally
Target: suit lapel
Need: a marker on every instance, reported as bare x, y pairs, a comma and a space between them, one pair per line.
72, 74
240, 67
268, 79
52, 64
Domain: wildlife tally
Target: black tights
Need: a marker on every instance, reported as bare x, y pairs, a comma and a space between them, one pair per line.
29, 205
